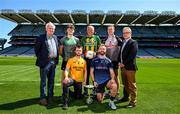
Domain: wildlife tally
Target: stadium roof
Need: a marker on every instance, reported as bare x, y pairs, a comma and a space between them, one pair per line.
93, 17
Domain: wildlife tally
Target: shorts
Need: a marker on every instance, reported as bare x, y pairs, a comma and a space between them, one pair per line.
101, 87
63, 65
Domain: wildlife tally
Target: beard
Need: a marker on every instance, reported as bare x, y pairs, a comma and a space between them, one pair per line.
102, 53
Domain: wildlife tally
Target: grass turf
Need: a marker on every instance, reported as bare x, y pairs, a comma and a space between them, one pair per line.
158, 82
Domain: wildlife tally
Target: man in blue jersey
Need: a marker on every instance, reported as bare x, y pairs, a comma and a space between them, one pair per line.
103, 76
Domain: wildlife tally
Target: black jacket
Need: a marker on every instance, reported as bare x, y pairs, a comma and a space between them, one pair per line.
129, 55
41, 50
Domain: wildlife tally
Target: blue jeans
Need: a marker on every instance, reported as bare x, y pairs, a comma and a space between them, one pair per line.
47, 72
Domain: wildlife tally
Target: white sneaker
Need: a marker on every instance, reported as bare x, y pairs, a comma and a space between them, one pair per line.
112, 105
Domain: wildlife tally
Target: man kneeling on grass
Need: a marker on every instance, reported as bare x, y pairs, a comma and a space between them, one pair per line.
76, 69
103, 76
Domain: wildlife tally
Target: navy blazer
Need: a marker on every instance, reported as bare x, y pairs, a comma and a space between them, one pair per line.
41, 50
129, 55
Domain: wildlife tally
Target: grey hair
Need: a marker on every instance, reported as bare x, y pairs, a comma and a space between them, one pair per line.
90, 26
50, 23
127, 28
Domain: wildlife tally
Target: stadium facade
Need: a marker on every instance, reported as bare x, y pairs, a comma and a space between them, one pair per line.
158, 34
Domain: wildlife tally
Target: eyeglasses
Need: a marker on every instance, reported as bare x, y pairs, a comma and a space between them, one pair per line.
126, 32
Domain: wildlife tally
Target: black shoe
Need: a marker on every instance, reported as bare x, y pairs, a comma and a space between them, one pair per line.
65, 106
123, 100
130, 105
43, 102
50, 100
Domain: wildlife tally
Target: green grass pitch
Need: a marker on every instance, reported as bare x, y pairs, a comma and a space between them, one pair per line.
158, 82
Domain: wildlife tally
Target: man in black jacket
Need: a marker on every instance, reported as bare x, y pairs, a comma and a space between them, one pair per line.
127, 63
46, 50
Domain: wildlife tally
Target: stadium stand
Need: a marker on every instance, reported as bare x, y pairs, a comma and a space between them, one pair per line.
143, 54
157, 53
171, 52
28, 52
2, 43
158, 34
7, 50
17, 51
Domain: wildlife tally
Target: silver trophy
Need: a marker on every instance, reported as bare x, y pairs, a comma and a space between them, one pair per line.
89, 99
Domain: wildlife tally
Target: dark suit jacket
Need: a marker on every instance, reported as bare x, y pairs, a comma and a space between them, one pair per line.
129, 55
41, 50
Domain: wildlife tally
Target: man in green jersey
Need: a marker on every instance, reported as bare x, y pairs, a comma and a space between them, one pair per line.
90, 45
67, 47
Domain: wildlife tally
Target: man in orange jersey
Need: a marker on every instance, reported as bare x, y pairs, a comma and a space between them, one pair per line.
74, 72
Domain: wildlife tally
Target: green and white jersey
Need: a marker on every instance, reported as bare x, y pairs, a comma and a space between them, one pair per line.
69, 45
90, 43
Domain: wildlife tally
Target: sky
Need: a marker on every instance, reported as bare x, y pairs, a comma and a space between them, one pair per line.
87, 5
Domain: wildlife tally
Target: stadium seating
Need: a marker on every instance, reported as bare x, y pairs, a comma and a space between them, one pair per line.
150, 38
6, 50
15, 51
157, 34
143, 54
157, 53
29, 52
138, 31
172, 52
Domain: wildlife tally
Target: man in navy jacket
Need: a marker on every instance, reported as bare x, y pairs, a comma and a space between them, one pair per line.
127, 63
46, 50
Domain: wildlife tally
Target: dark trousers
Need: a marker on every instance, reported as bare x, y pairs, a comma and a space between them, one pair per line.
88, 62
77, 90
47, 72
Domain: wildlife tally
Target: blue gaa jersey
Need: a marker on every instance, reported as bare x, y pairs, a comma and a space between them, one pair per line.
101, 68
